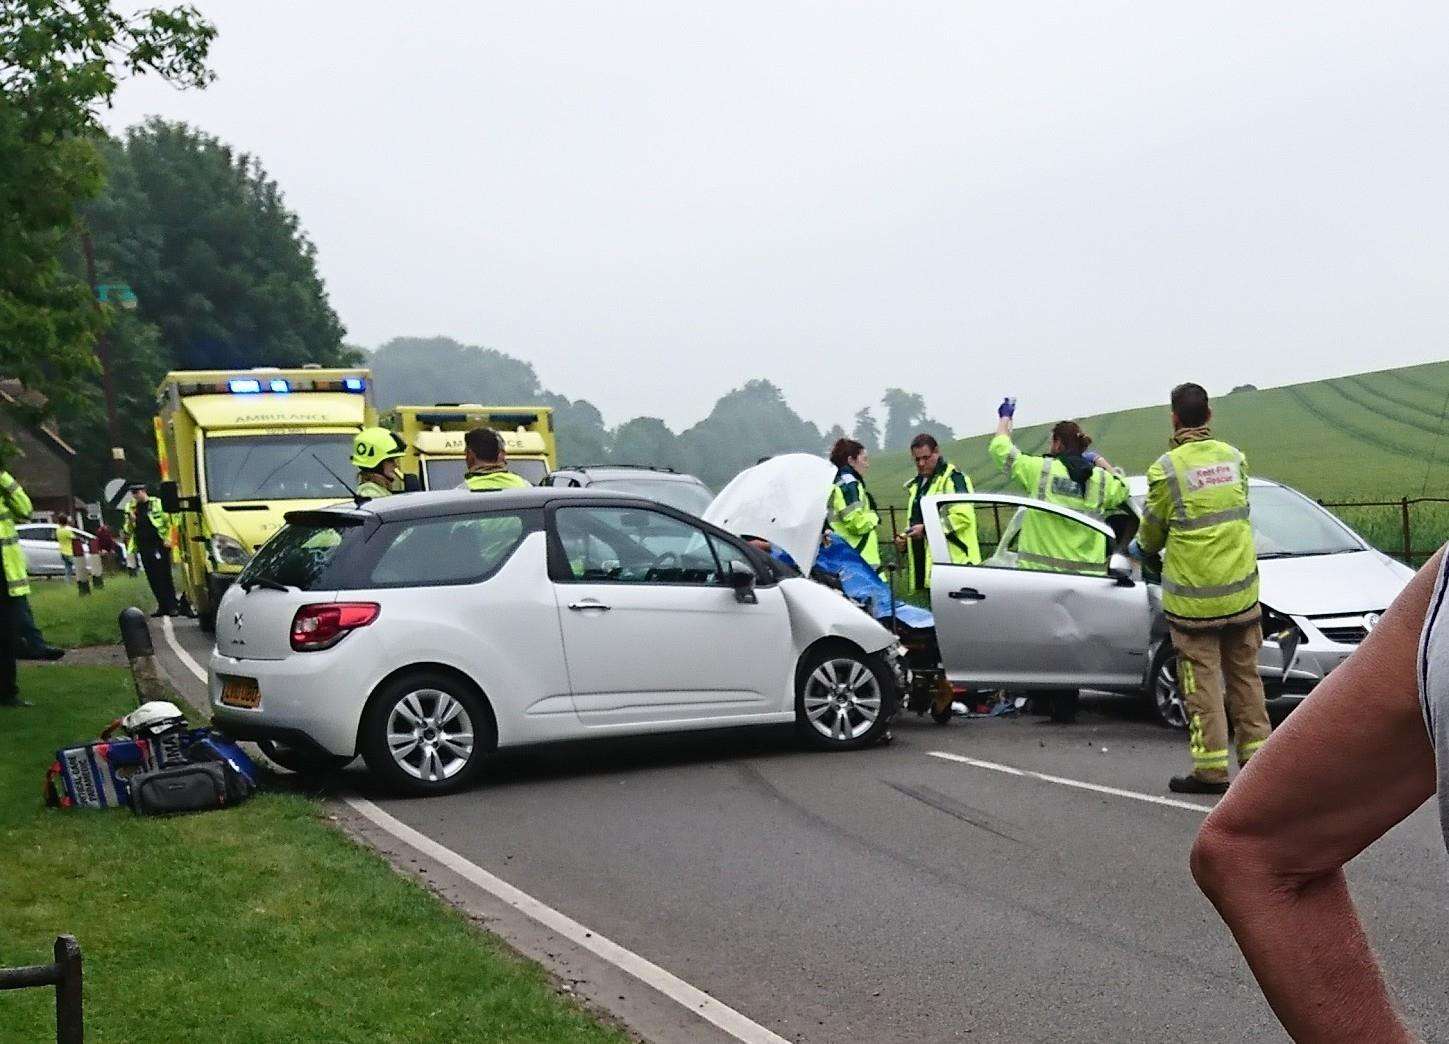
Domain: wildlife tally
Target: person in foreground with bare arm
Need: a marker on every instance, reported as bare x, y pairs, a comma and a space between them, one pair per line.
1350, 763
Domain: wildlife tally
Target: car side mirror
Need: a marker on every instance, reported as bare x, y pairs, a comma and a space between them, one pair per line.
170, 498
742, 578
1119, 568
412, 484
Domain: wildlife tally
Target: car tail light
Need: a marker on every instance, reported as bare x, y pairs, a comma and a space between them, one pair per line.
323, 625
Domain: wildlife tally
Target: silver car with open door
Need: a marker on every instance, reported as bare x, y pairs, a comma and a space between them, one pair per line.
1009, 623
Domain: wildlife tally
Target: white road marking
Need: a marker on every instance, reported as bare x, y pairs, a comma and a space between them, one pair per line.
696, 1000
1097, 788
676, 989
181, 654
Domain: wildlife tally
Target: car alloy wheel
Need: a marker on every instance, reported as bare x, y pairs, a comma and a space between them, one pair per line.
1166, 697
430, 735
842, 699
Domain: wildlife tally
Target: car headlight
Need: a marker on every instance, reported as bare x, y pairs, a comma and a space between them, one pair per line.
229, 551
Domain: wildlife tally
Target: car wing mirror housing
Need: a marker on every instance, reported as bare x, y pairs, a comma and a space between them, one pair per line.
172, 502
742, 578
1119, 568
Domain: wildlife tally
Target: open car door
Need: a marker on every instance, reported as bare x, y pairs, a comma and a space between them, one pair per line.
1029, 615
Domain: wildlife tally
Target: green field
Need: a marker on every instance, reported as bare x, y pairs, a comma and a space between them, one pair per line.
1374, 436
70, 620
256, 923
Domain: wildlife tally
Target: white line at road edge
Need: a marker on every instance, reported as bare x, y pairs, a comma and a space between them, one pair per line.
1061, 781
181, 654
673, 987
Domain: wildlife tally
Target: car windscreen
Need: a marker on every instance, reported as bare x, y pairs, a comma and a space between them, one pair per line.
297, 556
447, 472
685, 496
279, 467
1287, 524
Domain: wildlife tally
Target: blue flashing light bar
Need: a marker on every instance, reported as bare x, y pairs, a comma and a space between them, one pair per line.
280, 386
353, 384
244, 386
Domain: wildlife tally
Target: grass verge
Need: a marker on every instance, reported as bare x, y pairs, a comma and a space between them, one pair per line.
70, 620
255, 923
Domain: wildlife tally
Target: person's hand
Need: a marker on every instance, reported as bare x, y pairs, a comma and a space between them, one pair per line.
1007, 408
917, 531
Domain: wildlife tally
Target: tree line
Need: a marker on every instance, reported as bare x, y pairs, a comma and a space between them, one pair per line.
746, 423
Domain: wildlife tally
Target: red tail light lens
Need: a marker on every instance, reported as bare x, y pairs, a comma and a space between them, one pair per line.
323, 625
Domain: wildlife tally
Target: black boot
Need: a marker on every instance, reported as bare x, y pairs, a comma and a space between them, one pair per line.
1192, 785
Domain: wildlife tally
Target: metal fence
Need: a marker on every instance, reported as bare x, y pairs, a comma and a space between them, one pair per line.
65, 976
1411, 528
1395, 530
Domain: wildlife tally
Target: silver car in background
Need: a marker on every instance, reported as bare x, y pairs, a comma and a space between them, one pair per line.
1323, 588
42, 552
1003, 624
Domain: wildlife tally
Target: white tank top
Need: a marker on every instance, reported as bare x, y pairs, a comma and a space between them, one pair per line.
1434, 687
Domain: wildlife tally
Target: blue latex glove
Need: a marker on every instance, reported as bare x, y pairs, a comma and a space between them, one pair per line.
1091, 456
1134, 551
1007, 408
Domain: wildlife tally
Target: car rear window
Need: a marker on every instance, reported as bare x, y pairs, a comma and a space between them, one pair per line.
297, 557
460, 549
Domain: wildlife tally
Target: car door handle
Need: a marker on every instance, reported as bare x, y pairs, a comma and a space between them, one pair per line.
968, 594
589, 603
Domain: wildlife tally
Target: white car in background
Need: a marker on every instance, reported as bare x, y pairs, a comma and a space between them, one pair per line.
42, 551
424, 631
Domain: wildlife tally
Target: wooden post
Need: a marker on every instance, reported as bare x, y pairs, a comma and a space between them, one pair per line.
69, 997
1408, 537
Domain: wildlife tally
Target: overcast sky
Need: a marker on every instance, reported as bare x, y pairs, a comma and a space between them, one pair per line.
1079, 204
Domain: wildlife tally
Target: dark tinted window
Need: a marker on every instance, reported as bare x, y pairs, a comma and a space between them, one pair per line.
297, 557
458, 550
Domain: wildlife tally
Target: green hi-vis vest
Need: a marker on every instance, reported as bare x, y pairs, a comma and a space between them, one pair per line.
488, 481
372, 490
852, 516
1197, 515
160, 521
65, 540
958, 522
14, 508
1050, 541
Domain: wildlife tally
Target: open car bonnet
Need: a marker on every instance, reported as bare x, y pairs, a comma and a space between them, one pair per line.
782, 500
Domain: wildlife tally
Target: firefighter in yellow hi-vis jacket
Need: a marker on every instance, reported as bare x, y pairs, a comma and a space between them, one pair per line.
1197, 516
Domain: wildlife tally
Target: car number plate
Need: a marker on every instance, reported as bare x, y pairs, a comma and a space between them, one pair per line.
240, 692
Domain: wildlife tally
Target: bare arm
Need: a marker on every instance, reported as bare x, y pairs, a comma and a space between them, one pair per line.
1004, 425
1350, 763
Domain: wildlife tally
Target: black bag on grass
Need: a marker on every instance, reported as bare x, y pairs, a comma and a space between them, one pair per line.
188, 788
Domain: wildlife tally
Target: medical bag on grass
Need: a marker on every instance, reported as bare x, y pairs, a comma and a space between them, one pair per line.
97, 775
198, 787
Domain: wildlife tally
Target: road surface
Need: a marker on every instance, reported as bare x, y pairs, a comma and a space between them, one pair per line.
916, 892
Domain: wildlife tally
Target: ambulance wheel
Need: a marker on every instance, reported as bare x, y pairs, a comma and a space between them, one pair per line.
426, 732
301, 761
1163, 697
844, 699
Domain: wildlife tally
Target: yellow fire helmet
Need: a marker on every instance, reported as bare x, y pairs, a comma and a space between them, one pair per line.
375, 445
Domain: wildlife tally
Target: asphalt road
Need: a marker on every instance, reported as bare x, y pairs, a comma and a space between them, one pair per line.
891, 894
